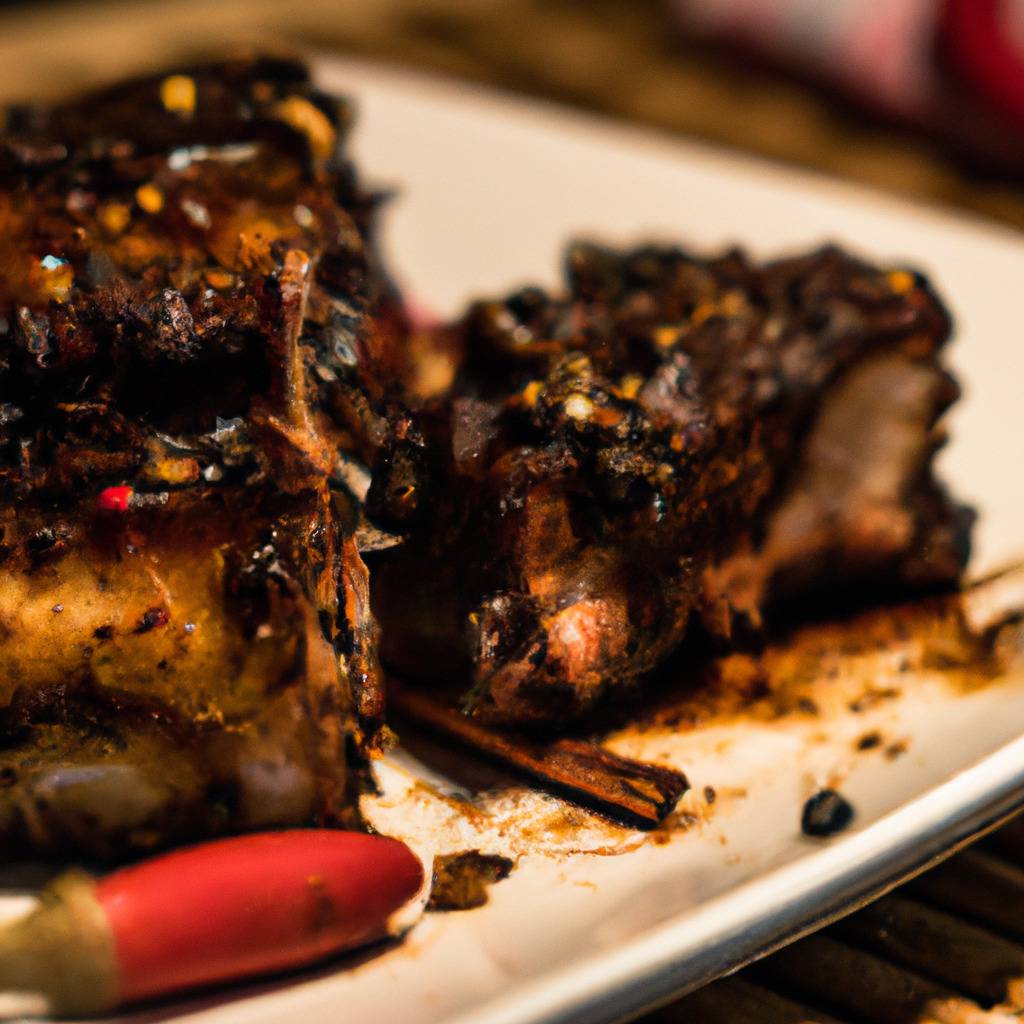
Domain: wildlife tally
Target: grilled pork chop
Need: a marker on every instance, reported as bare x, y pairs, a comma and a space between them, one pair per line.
191, 311
673, 444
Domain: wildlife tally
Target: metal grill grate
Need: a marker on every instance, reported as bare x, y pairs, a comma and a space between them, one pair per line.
945, 948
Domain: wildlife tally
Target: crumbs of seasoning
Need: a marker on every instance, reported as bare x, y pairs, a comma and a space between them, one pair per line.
710, 795
197, 214
178, 94
46, 544
900, 281
114, 217
152, 618
179, 159
218, 278
826, 813
461, 879
870, 740
873, 697
103, 632
190, 628
579, 407
115, 499
57, 609
895, 750
309, 121
149, 198
59, 276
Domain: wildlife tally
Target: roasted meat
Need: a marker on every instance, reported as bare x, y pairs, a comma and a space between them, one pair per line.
673, 446
193, 326
200, 354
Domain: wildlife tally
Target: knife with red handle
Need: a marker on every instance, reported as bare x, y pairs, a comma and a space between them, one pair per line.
203, 915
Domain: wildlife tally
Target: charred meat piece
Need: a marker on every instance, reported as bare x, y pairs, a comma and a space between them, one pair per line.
674, 442
166, 674
191, 313
188, 286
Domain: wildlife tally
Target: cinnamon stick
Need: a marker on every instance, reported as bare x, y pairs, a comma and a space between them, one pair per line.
635, 793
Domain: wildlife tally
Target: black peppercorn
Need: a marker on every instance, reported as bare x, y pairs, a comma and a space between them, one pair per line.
826, 813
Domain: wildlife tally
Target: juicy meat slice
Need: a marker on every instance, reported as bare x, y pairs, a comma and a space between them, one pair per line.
860, 503
166, 675
190, 307
675, 441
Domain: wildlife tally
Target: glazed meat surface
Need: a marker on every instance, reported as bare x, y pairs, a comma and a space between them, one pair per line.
200, 353
167, 678
192, 318
671, 447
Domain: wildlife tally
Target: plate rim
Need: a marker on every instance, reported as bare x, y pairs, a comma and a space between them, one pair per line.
665, 962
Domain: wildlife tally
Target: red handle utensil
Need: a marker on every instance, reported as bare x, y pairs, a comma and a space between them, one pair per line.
210, 913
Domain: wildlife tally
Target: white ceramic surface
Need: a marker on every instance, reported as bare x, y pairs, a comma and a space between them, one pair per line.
490, 189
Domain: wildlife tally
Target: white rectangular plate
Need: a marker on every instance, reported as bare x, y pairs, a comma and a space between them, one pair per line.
490, 190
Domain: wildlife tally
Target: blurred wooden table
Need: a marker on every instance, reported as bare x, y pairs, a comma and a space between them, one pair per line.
947, 948
952, 937
621, 57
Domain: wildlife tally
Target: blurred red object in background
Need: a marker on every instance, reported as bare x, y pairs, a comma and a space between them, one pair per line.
955, 66
985, 40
